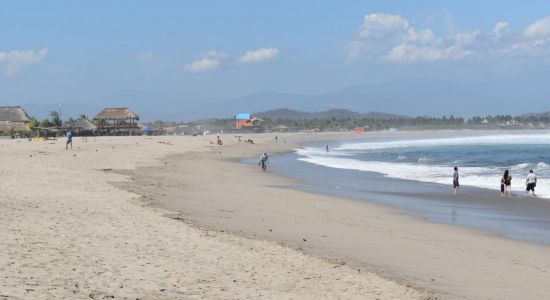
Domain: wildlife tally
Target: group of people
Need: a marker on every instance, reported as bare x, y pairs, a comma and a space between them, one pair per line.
505, 183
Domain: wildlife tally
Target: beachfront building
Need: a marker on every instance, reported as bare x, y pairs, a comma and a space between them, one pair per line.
245, 120
82, 127
13, 120
117, 121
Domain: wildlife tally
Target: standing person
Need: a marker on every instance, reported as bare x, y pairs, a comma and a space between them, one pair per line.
69, 140
530, 183
263, 161
276, 139
456, 185
502, 186
327, 149
507, 178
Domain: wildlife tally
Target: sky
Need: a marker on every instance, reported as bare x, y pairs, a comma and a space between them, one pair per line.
213, 51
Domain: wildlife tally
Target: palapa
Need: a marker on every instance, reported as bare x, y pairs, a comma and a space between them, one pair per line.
116, 114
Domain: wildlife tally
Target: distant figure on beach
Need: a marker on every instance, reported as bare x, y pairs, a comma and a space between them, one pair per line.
263, 161
69, 140
327, 149
219, 141
502, 186
507, 179
530, 183
456, 185
276, 139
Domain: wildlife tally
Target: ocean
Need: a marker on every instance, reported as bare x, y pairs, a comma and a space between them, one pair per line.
481, 159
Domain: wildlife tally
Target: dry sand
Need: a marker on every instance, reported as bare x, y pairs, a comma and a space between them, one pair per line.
213, 190
68, 231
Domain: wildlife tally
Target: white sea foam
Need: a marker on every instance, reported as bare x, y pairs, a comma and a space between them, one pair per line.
483, 177
525, 139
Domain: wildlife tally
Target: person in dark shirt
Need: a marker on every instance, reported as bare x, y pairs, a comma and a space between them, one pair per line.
456, 184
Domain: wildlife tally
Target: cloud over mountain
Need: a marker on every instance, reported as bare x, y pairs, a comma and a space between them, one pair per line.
392, 38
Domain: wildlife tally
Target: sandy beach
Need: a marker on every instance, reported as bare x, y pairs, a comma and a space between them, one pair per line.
69, 229
213, 190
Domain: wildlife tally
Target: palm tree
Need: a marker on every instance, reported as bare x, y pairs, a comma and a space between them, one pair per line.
56, 120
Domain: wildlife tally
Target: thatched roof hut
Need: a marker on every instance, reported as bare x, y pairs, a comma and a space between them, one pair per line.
6, 126
116, 114
13, 118
13, 114
117, 121
84, 124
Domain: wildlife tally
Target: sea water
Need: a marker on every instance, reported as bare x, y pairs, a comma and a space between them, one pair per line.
481, 159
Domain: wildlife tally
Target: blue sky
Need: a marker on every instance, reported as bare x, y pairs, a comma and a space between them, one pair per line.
64, 51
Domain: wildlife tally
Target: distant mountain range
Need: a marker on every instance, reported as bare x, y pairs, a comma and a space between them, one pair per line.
419, 97
285, 113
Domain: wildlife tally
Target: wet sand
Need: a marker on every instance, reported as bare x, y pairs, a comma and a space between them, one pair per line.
214, 190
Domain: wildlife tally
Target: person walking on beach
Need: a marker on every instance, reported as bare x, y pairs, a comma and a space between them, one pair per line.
327, 149
456, 185
263, 161
69, 140
276, 139
507, 179
530, 183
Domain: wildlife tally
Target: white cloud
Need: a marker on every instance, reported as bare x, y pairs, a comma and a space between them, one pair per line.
500, 29
377, 31
147, 56
259, 55
411, 53
203, 65
16, 59
392, 38
381, 25
212, 61
539, 29
425, 36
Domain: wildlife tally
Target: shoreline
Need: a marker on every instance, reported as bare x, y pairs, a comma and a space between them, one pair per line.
517, 217
245, 217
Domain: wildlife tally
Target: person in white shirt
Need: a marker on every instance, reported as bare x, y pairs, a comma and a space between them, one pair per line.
530, 183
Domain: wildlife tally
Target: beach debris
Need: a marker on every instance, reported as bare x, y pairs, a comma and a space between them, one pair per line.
304, 239
106, 170
270, 230
100, 295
